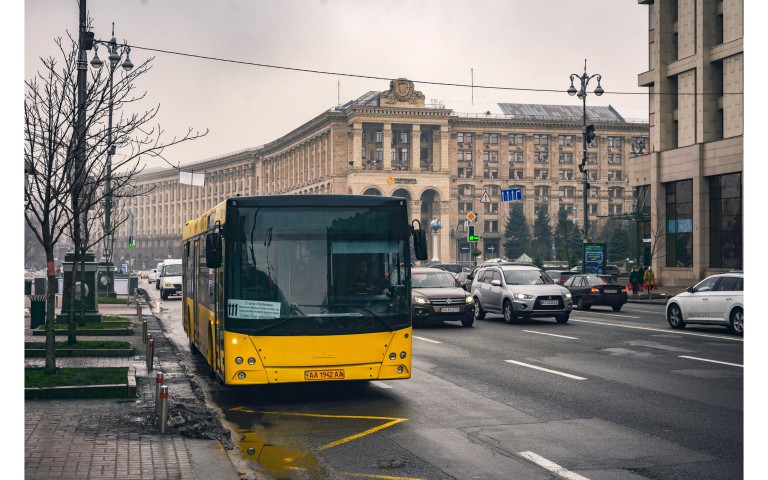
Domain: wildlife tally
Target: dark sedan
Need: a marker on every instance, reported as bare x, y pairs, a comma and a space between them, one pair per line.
588, 290
437, 296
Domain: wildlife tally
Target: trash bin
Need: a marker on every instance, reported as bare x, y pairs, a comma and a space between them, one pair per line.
40, 285
36, 311
27, 286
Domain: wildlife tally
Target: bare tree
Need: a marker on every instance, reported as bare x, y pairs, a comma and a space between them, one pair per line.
65, 194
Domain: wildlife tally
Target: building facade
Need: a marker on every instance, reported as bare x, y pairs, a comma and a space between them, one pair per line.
391, 143
688, 187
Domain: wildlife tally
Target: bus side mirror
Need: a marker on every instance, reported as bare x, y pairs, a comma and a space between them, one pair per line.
213, 250
420, 244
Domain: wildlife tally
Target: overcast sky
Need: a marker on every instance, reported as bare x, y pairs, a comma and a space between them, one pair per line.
514, 44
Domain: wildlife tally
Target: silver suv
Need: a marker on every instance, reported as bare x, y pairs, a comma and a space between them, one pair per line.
519, 291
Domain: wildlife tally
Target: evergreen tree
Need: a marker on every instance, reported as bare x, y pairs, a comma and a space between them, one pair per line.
568, 239
542, 235
618, 246
517, 233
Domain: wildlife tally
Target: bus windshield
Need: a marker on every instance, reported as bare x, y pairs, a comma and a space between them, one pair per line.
315, 270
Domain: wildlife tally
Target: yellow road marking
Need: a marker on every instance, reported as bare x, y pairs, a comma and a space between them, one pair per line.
391, 421
383, 477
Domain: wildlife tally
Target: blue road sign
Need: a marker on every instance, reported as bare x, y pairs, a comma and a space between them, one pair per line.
511, 194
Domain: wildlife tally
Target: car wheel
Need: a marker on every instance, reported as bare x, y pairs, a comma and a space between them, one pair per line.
479, 312
563, 318
675, 316
616, 308
509, 312
163, 295
737, 322
582, 305
467, 322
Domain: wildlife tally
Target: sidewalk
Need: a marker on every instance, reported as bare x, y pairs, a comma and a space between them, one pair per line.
120, 439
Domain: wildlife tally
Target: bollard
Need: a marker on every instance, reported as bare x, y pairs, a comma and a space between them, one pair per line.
150, 353
144, 330
163, 407
159, 381
138, 309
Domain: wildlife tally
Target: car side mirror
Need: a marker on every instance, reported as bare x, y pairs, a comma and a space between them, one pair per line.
213, 255
496, 283
689, 290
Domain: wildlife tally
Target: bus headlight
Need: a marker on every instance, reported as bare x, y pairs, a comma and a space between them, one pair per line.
400, 369
239, 360
392, 356
402, 355
251, 361
241, 375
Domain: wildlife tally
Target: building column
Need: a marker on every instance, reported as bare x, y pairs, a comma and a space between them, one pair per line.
416, 148
441, 163
386, 146
357, 144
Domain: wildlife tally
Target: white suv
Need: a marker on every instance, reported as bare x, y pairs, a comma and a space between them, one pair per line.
519, 291
716, 300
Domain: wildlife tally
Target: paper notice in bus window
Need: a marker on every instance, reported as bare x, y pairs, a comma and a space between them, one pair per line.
252, 309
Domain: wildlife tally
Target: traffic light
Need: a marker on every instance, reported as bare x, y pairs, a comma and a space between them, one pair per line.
131, 243
589, 133
471, 237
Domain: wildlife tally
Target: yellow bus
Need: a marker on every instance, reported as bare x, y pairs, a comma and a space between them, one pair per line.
272, 294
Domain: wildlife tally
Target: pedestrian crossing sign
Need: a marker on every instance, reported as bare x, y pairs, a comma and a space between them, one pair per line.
486, 198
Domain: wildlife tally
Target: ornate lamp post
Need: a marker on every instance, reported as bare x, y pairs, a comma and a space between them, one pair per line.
115, 55
436, 226
588, 132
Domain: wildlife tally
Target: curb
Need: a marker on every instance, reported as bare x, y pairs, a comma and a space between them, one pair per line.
81, 352
105, 332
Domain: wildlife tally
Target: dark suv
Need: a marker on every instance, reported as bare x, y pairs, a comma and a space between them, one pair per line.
519, 291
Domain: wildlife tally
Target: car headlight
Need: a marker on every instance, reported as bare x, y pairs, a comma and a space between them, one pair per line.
567, 295
523, 296
469, 299
420, 300
168, 284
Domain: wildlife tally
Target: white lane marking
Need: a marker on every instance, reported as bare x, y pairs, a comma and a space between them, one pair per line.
677, 332
550, 334
607, 314
380, 384
426, 339
712, 361
551, 466
545, 370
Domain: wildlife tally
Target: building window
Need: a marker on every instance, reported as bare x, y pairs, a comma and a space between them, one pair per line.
490, 156
465, 172
515, 157
725, 221
541, 141
614, 175
465, 207
460, 156
679, 212
463, 137
516, 174
540, 174
594, 192
515, 139
466, 190
566, 158
592, 209
614, 209
593, 158
541, 157
491, 138
491, 226
565, 174
491, 207
490, 172
614, 142
567, 192
565, 140
541, 207
378, 136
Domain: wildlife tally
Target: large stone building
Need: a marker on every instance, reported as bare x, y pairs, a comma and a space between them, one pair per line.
689, 186
391, 143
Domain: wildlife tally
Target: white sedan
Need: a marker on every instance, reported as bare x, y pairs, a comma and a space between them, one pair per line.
716, 300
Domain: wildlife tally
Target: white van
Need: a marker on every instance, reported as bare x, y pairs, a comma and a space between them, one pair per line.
157, 276
170, 278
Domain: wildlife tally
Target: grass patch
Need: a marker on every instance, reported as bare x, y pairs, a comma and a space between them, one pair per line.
95, 326
84, 344
116, 300
112, 318
36, 378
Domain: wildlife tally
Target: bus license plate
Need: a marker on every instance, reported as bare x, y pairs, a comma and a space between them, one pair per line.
450, 309
310, 375
549, 302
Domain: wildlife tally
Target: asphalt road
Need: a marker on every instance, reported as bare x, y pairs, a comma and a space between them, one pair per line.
610, 395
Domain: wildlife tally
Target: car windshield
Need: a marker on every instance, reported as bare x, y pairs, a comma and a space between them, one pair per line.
433, 280
172, 270
526, 277
595, 280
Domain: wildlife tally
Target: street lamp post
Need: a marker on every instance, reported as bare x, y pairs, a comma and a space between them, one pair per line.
115, 55
586, 132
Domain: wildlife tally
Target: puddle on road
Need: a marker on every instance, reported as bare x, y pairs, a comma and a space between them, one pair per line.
279, 461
